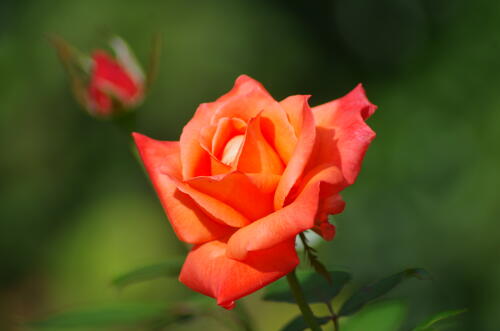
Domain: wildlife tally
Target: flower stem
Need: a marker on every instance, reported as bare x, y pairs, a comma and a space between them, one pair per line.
307, 313
335, 317
243, 317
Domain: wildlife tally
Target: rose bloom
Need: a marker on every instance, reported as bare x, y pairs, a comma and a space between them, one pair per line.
249, 174
116, 83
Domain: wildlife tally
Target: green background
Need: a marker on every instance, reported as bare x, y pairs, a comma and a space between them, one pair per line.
76, 210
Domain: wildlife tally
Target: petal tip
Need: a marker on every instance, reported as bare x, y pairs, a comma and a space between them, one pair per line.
229, 305
140, 139
359, 94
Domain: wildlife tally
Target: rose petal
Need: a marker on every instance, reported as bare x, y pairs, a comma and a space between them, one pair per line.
266, 183
109, 76
330, 205
331, 181
247, 99
326, 230
188, 221
217, 167
342, 134
227, 128
256, 155
277, 227
303, 122
238, 191
194, 158
217, 209
209, 271
99, 101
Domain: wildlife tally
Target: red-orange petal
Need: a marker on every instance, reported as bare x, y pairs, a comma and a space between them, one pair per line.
266, 183
247, 99
194, 158
218, 210
277, 227
326, 230
256, 155
238, 191
227, 128
342, 134
210, 271
303, 122
162, 162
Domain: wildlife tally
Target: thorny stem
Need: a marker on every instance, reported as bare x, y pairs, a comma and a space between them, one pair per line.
335, 318
307, 313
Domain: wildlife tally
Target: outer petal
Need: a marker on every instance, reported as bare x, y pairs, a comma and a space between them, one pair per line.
331, 181
343, 136
277, 227
99, 101
189, 222
303, 122
209, 271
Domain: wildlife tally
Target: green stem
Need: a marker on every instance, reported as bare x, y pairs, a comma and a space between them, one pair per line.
335, 317
243, 317
307, 313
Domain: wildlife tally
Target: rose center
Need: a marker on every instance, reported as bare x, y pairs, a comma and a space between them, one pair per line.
232, 149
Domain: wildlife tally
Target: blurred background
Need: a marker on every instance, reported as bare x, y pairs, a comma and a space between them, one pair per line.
76, 209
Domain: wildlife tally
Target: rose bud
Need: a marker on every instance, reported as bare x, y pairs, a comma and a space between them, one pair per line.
250, 173
106, 84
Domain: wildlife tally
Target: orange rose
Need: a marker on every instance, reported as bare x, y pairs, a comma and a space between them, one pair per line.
249, 174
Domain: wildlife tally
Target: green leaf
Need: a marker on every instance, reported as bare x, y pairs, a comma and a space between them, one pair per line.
429, 323
160, 323
382, 316
169, 268
375, 290
298, 323
315, 287
105, 316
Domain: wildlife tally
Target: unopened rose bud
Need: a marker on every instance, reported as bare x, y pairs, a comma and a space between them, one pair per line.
106, 84
112, 85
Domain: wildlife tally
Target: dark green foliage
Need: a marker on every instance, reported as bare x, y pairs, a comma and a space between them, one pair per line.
430, 324
105, 316
169, 268
375, 290
298, 323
